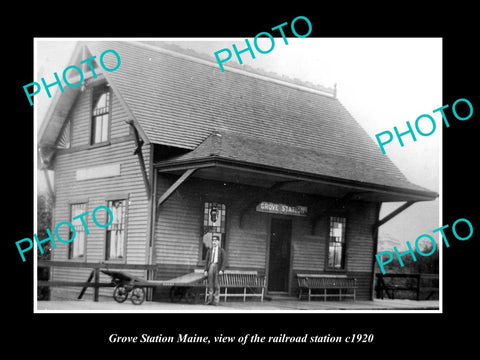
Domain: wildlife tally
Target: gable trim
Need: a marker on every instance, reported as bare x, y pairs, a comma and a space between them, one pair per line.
62, 102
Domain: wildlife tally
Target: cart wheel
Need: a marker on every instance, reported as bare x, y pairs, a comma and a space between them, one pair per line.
120, 293
138, 295
191, 295
176, 293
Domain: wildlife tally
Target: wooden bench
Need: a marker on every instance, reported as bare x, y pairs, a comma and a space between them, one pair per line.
252, 284
309, 282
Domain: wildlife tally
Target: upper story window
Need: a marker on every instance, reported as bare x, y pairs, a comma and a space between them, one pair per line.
100, 115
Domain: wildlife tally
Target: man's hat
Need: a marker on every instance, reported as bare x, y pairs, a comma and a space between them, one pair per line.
215, 237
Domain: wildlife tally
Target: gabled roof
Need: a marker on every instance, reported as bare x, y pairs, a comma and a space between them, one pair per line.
179, 101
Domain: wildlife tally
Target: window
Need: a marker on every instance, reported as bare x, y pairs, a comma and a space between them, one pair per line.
213, 224
115, 242
100, 115
336, 243
76, 248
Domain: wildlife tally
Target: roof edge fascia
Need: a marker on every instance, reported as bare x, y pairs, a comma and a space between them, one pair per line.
422, 195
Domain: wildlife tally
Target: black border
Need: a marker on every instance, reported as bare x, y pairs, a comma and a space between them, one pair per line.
87, 333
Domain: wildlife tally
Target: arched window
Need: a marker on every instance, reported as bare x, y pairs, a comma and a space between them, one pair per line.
100, 116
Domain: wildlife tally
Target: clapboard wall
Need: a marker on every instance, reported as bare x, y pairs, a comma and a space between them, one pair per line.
178, 230
178, 222
310, 251
180, 219
126, 184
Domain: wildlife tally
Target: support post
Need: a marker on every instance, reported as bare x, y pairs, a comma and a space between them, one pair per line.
174, 187
138, 151
96, 282
85, 287
375, 247
375, 233
394, 213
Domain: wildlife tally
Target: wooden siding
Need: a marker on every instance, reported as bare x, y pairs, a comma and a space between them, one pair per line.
97, 191
247, 245
179, 221
364, 284
308, 249
359, 236
177, 227
309, 253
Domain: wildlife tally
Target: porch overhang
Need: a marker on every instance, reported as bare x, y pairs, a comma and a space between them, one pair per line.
270, 177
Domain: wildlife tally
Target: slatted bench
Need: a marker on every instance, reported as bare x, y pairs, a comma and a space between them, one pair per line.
250, 281
309, 282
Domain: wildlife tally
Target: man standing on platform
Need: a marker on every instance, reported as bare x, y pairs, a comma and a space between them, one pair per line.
215, 263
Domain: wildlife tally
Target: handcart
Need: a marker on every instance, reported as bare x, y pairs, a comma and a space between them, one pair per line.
126, 284
186, 286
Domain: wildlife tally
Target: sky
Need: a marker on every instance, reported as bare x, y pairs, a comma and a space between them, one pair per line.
382, 82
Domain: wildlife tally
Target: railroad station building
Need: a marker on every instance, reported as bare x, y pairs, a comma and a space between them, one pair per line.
180, 151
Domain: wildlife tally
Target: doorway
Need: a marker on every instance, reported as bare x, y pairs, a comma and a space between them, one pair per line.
279, 255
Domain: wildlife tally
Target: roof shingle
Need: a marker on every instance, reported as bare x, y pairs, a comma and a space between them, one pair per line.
180, 102
227, 145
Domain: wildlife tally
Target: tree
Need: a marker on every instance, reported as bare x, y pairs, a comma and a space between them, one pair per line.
44, 220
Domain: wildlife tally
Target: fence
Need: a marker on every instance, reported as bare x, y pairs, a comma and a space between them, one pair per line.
389, 283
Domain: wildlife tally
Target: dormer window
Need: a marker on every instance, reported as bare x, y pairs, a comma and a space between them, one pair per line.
100, 115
